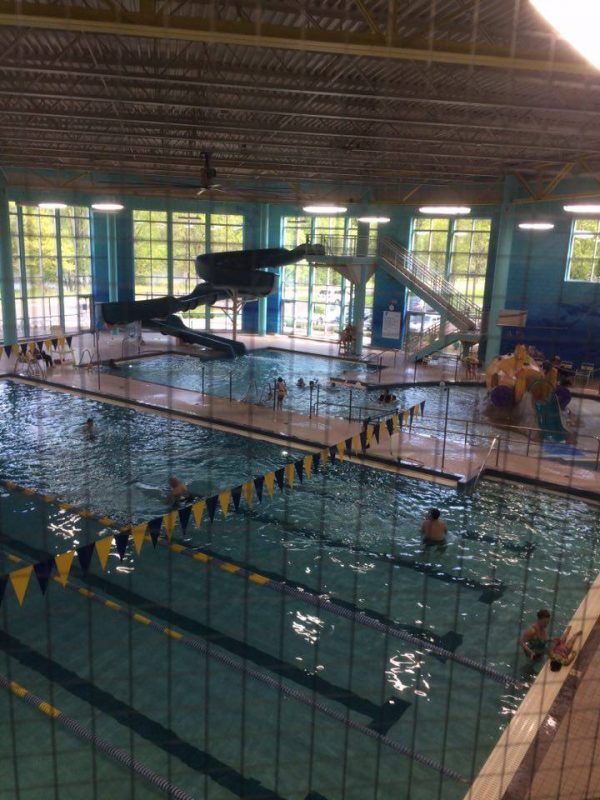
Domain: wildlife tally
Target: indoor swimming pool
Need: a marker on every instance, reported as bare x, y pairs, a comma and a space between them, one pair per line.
236, 701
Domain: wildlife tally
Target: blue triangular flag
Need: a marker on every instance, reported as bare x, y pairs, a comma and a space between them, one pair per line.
54, 343
422, 407
332, 453
211, 505
316, 461
348, 444
236, 496
184, 516
121, 540
23, 347
8, 351
85, 553
3, 582
258, 485
279, 477
40, 345
69, 340
377, 431
412, 414
154, 527
43, 571
299, 467
363, 440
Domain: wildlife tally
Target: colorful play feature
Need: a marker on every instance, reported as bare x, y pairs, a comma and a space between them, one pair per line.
518, 381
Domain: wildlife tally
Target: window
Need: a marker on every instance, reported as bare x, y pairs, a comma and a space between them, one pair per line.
584, 252
469, 249
317, 300
430, 242
52, 268
165, 247
150, 254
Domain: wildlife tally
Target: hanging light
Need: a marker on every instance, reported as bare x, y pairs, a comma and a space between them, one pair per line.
583, 208
576, 21
108, 206
325, 209
52, 205
536, 226
374, 220
445, 210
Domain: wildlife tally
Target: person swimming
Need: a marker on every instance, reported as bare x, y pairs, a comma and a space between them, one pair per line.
387, 397
300, 383
433, 528
90, 431
178, 491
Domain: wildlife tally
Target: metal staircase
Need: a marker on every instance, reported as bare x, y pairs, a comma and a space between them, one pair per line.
461, 318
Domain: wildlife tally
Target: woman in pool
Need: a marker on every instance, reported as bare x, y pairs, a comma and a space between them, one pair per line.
535, 639
178, 491
280, 392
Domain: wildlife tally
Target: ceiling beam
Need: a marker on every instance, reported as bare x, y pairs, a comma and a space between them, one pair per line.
116, 21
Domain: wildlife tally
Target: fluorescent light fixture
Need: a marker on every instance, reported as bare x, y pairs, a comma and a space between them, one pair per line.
589, 208
52, 205
107, 206
536, 226
325, 209
577, 21
446, 210
374, 220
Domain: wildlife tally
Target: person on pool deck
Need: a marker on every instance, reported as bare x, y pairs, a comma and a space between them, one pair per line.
562, 652
433, 528
89, 429
387, 397
177, 490
535, 638
280, 392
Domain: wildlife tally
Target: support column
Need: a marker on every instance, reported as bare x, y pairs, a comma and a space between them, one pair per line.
501, 269
358, 311
7, 283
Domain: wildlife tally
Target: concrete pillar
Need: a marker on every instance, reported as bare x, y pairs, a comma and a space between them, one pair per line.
7, 284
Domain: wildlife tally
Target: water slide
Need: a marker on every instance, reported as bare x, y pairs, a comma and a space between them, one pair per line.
550, 419
239, 274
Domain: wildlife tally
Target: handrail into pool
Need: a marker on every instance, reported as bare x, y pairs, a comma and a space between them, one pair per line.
473, 485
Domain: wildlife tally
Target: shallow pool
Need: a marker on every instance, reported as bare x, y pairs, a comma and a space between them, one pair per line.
349, 534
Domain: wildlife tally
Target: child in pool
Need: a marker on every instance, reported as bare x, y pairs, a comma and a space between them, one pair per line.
535, 638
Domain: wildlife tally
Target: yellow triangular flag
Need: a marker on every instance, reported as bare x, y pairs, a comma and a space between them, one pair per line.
369, 434
406, 416
395, 424
63, 565
416, 410
61, 341
325, 458
198, 512
137, 534
341, 448
289, 474
20, 581
248, 492
308, 463
15, 350
31, 348
48, 344
103, 547
169, 521
356, 446
270, 482
224, 500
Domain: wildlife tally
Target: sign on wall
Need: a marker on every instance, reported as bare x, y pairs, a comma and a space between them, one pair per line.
392, 322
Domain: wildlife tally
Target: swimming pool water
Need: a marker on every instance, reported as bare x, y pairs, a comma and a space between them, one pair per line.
351, 534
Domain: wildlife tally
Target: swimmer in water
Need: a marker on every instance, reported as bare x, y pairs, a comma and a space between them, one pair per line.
433, 528
177, 490
89, 429
535, 638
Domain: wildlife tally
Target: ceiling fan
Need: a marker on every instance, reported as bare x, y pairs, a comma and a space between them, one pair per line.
207, 175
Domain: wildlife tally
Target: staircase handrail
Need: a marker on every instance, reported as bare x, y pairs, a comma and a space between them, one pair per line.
418, 339
403, 260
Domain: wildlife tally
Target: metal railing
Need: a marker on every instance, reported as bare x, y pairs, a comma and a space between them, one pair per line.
406, 263
473, 485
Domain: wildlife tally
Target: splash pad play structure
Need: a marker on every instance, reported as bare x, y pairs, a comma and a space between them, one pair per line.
518, 383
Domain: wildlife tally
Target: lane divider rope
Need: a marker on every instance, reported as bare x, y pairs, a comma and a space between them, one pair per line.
205, 648
117, 754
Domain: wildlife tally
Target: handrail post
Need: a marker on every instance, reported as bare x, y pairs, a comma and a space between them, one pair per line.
598, 453
230, 386
310, 400
528, 441
350, 408
203, 380
466, 432
274, 394
317, 403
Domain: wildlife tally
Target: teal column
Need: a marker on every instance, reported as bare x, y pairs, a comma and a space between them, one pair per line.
7, 284
501, 269
122, 239
360, 288
111, 253
264, 242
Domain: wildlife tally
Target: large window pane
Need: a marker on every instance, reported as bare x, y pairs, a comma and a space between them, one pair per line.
584, 253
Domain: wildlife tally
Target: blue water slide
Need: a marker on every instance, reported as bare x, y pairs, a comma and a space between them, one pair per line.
550, 419
174, 326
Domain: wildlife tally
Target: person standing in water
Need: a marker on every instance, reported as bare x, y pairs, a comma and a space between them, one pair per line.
177, 490
433, 528
280, 392
89, 429
535, 638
